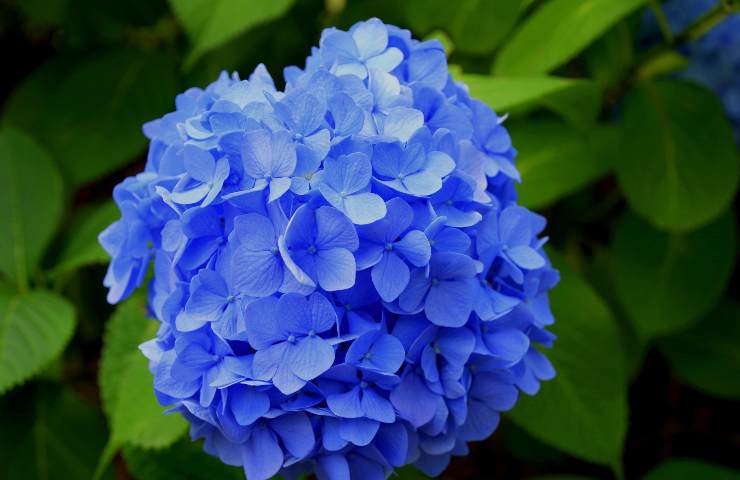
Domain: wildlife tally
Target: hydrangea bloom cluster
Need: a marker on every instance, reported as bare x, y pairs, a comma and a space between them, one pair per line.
344, 280
714, 59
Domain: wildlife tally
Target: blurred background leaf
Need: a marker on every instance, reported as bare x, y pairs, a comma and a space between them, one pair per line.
679, 166
31, 191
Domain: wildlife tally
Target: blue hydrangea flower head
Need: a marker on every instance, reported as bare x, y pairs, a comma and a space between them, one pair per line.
714, 58
344, 280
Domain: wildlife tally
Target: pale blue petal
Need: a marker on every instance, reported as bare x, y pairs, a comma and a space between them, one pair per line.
278, 187
257, 274
364, 208
402, 122
199, 163
387, 60
525, 257
413, 400
311, 357
348, 174
335, 269
371, 38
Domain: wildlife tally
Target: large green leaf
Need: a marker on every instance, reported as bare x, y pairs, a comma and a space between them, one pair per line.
34, 329
83, 247
184, 459
707, 356
475, 26
135, 416
50, 435
665, 281
557, 31
32, 198
679, 165
509, 93
690, 469
555, 160
89, 113
211, 23
583, 411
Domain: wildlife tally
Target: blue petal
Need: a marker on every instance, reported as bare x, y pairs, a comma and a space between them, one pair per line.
371, 38
332, 467
347, 174
278, 187
413, 297
358, 431
347, 404
311, 357
296, 433
262, 328
335, 269
257, 274
199, 163
376, 407
525, 257
508, 344
247, 404
261, 455
414, 401
402, 122
364, 208
449, 304
334, 230
415, 248
255, 232
390, 276
393, 442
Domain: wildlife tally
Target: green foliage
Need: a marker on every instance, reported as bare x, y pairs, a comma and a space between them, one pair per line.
583, 411
707, 356
555, 160
690, 469
474, 26
210, 23
558, 31
135, 416
34, 329
656, 273
511, 93
183, 460
82, 247
635, 171
679, 166
32, 197
89, 113
53, 435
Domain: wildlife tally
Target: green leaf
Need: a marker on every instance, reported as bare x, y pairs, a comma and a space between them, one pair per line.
666, 281
558, 31
690, 469
679, 165
475, 26
51, 435
34, 329
574, 99
135, 416
583, 411
707, 356
89, 113
184, 459
83, 248
555, 160
31, 193
211, 23
609, 58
